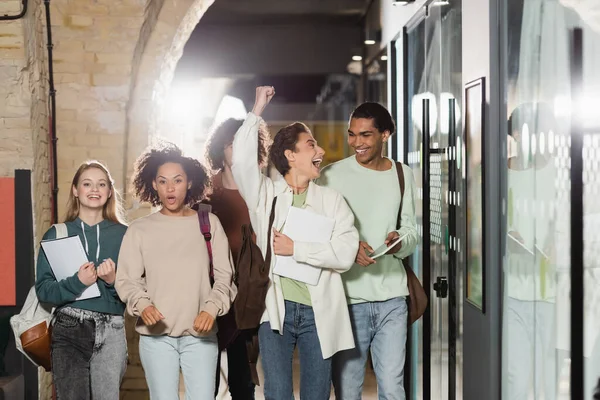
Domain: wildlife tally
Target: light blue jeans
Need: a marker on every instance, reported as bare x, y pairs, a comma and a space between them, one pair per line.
277, 352
163, 356
380, 327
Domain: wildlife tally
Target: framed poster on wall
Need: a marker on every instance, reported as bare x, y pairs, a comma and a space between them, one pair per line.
474, 141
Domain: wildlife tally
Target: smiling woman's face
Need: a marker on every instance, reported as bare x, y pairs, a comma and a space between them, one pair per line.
306, 159
93, 189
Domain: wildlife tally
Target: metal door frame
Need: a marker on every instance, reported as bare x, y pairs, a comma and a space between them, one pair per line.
453, 317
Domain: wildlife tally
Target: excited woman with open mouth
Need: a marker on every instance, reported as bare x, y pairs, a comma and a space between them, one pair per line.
164, 276
313, 317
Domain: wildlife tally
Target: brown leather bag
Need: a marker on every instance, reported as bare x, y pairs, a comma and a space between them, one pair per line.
32, 326
252, 278
417, 301
37, 342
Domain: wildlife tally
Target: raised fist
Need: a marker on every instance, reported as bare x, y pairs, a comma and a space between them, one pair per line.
264, 94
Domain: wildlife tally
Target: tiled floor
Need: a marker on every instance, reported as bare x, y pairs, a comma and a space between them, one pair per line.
369, 393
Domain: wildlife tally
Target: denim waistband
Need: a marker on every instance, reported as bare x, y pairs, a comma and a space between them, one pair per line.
86, 314
289, 303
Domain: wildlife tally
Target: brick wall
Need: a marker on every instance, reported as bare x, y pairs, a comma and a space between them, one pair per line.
112, 60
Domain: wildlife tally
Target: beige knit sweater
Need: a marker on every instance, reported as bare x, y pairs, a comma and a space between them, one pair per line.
164, 262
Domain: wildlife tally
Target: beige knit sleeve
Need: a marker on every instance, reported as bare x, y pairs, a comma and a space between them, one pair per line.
224, 290
130, 283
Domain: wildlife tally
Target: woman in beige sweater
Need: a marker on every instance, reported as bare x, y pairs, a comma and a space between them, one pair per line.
163, 276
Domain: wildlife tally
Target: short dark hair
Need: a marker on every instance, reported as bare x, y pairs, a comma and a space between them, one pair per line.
382, 120
147, 165
286, 139
223, 135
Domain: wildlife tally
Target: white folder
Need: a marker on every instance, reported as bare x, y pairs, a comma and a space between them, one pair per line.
303, 226
65, 256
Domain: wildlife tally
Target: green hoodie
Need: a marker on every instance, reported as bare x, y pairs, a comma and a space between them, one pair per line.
101, 241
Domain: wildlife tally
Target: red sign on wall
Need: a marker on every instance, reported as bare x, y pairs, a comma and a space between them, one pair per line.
8, 290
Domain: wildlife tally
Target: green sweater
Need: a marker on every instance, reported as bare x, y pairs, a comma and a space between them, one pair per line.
374, 197
67, 290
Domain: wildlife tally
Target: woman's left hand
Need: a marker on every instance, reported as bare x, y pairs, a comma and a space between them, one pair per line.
107, 271
204, 322
282, 244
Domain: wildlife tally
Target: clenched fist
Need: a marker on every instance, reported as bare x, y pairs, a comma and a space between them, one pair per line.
107, 271
87, 274
204, 322
151, 315
264, 94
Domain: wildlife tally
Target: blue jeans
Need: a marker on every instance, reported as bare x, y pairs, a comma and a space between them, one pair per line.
89, 354
277, 352
380, 327
163, 356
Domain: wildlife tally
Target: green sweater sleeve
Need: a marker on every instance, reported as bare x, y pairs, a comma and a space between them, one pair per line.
47, 288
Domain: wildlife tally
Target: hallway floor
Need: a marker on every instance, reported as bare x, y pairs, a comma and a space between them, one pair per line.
369, 392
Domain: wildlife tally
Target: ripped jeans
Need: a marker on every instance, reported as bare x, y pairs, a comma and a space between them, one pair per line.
89, 354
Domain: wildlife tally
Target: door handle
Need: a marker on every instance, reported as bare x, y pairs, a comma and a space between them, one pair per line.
441, 287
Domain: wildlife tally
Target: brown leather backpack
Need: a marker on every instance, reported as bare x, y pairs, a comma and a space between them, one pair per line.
417, 301
252, 278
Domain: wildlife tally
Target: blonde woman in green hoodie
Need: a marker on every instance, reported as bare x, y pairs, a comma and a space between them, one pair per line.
89, 349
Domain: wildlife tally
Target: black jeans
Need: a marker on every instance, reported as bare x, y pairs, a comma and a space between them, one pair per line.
89, 355
239, 378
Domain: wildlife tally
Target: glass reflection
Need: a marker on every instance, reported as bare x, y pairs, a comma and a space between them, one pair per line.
536, 314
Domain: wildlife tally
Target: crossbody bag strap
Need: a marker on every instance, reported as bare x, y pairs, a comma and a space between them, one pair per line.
204, 220
271, 219
400, 172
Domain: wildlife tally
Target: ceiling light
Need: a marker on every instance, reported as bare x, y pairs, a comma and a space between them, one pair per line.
402, 2
384, 58
372, 36
357, 58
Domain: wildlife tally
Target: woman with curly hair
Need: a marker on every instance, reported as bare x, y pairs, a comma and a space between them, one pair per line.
164, 276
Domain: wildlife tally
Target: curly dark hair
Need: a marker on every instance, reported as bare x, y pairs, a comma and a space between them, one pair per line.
222, 136
147, 165
286, 139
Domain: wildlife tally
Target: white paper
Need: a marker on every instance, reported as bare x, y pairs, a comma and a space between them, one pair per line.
65, 257
384, 248
303, 226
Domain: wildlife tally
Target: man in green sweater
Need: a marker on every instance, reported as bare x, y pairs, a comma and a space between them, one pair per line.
376, 289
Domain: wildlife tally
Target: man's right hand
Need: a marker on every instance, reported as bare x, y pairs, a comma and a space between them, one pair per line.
151, 316
87, 274
361, 257
264, 94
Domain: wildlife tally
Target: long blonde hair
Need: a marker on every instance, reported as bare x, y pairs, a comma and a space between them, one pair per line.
113, 209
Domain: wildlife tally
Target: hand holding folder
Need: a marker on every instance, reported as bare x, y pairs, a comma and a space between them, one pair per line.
65, 257
303, 226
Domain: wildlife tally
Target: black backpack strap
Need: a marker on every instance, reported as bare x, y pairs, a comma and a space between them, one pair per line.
271, 219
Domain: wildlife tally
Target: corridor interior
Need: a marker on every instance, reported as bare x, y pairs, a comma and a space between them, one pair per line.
369, 393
